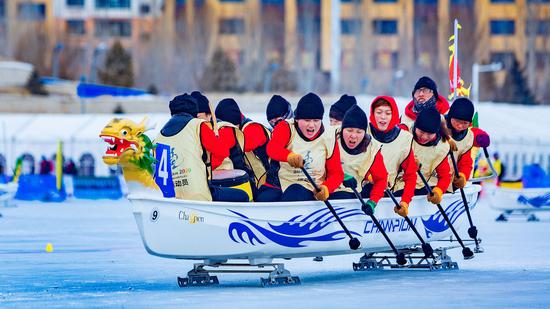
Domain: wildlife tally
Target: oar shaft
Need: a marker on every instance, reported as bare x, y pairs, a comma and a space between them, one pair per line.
376, 222
441, 210
409, 221
462, 191
327, 203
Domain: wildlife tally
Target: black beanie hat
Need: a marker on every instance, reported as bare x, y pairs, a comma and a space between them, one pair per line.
277, 107
202, 102
310, 106
462, 109
426, 82
355, 117
183, 103
339, 109
228, 110
428, 120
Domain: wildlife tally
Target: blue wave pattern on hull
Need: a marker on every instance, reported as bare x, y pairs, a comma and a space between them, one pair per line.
537, 201
436, 223
294, 232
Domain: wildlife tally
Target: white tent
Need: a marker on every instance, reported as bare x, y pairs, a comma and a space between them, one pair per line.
519, 133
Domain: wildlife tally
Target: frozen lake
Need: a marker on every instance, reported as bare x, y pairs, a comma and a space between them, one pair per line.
99, 261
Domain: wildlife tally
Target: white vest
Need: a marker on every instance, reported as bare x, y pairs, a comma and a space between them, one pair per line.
315, 154
358, 165
253, 162
227, 164
430, 157
189, 173
407, 121
395, 153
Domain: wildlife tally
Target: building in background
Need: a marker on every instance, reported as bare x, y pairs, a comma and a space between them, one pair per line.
385, 44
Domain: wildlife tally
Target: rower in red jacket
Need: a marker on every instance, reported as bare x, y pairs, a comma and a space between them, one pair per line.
396, 149
431, 151
459, 121
189, 138
304, 143
250, 135
361, 159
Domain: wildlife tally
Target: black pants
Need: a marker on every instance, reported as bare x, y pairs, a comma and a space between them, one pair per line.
296, 192
268, 194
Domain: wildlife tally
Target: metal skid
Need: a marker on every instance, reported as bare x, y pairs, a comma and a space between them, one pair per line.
200, 276
415, 258
508, 214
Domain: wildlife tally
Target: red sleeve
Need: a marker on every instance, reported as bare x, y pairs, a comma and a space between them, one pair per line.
477, 132
403, 127
276, 147
379, 176
225, 140
409, 177
211, 142
254, 137
465, 164
443, 175
335, 173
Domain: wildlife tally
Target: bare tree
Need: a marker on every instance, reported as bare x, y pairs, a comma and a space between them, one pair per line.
33, 46
71, 59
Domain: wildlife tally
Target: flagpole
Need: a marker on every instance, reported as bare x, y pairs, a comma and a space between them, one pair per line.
455, 60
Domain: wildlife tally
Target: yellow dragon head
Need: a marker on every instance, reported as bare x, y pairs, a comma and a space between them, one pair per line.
128, 145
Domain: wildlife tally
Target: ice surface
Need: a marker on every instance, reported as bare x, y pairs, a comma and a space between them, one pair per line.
99, 261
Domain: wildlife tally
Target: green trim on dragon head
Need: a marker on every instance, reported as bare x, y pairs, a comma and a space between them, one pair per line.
132, 149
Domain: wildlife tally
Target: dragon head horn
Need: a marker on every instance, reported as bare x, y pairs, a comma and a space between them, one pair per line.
147, 124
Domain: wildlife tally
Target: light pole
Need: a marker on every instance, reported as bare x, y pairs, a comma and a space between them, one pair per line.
55, 59
98, 50
336, 47
482, 68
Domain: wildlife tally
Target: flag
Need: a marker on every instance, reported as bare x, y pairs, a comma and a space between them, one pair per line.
59, 165
461, 90
17, 169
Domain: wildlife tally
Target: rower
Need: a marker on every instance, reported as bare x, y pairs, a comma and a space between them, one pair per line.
304, 143
339, 109
431, 151
182, 143
361, 160
425, 96
396, 149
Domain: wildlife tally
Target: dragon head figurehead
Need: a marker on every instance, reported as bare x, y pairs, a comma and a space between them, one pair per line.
131, 148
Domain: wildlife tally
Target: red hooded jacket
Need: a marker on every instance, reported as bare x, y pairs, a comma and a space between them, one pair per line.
409, 165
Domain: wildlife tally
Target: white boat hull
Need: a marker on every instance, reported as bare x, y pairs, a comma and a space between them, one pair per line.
14, 74
520, 200
217, 231
7, 192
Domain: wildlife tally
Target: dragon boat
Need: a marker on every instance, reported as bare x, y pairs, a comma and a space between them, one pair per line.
254, 234
519, 202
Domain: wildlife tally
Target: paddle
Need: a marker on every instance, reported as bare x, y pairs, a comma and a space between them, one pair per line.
472, 230
354, 243
399, 256
466, 252
214, 119
426, 247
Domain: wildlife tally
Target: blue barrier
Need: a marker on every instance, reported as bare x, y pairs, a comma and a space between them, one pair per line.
97, 188
85, 90
39, 187
535, 177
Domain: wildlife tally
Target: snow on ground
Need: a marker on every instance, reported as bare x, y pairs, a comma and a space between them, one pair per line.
99, 261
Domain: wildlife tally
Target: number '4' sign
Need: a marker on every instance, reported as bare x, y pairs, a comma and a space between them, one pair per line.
163, 170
